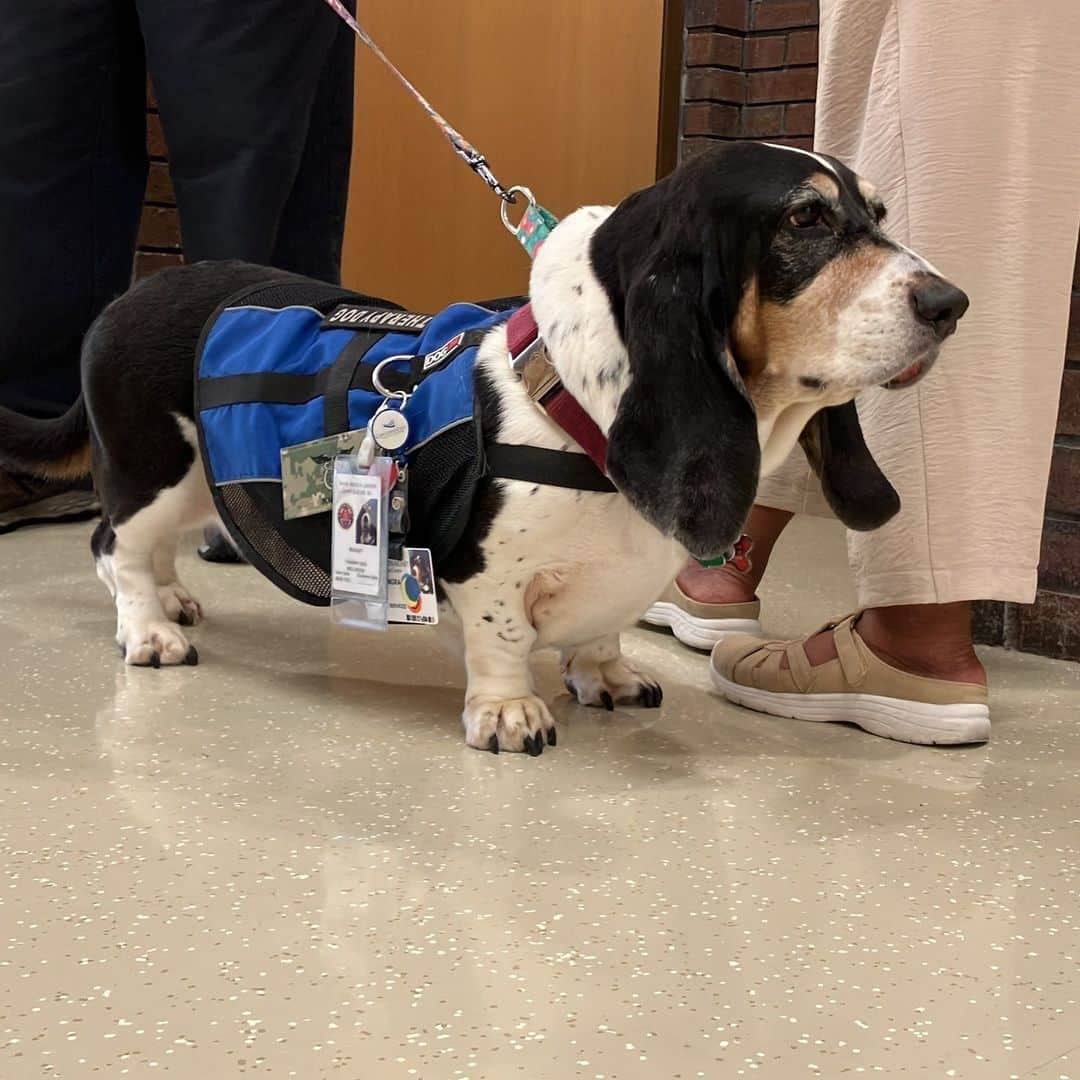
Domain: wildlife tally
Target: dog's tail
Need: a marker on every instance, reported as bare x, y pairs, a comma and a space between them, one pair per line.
54, 449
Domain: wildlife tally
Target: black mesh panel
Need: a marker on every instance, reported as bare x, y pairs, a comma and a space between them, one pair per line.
443, 475
295, 554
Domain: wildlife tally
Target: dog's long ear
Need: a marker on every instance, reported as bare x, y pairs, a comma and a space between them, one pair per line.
684, 445
855, 487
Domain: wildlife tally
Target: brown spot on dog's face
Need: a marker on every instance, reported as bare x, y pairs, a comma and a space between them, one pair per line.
825, 186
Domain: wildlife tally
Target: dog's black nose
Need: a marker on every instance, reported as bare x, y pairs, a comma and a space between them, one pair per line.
938, 303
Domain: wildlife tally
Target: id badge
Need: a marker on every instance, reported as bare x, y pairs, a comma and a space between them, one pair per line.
410, 588
358, 564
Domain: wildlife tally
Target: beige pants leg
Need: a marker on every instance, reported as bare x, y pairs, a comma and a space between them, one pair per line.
966, 114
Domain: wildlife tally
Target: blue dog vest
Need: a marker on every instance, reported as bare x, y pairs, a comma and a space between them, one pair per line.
292, 360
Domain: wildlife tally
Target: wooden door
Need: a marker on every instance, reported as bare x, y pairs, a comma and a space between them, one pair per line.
562, 95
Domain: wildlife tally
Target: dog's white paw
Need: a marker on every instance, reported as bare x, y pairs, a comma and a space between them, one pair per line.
516, 724
156, 644
180, 606
611, 683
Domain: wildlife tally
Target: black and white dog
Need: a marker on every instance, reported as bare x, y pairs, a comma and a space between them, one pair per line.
706, 324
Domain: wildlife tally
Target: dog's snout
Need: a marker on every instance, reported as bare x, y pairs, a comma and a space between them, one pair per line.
938, 303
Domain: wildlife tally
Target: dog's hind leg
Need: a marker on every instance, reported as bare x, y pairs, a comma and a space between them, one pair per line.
598, 674
102, 543
179, 605
143, 550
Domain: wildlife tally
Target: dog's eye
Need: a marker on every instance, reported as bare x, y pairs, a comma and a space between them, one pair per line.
805, 217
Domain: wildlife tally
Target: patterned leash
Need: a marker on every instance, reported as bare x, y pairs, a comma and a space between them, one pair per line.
537, 222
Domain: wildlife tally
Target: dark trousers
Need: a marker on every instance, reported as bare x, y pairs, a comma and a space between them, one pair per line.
256, 101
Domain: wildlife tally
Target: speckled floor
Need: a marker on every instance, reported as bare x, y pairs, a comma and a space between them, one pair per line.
286, 863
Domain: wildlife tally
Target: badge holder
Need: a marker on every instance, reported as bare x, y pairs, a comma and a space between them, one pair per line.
368, 515
360, 542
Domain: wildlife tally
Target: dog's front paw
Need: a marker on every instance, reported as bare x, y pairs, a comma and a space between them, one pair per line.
156, 644
611, 683
180, 606
513, 724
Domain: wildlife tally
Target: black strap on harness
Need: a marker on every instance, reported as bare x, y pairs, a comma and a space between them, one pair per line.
555, 468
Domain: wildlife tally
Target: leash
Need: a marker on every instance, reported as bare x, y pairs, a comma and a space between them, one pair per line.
536, 223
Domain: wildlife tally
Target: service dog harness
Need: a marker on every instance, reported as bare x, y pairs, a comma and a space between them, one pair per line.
292, 360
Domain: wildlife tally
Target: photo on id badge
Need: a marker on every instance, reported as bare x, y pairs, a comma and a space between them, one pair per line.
367, 532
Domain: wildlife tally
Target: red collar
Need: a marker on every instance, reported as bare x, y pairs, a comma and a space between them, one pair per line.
529, 359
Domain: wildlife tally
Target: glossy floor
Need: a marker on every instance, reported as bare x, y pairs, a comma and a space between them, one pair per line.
286, 863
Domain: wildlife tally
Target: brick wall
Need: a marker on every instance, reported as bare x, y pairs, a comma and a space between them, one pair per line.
751, 73
159, 229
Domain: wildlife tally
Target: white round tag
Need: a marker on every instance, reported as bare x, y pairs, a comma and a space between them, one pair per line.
389, 429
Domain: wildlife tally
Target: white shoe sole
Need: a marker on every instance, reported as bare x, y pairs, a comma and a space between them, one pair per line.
891, 718
696, 632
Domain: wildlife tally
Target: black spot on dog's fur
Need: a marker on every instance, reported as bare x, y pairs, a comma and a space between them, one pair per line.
812, 383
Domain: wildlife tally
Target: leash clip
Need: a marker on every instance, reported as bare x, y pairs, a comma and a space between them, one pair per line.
478, 163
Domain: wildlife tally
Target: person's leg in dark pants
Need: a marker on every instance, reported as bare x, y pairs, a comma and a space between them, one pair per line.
72, 174
312, 224
238, 84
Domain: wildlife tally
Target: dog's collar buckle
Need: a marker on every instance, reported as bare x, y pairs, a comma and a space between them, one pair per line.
528, 357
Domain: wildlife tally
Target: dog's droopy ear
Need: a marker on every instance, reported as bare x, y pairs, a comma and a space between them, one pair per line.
684, 445
855, 487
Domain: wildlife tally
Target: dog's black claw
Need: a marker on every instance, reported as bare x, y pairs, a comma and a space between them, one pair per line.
493, 744
184, 619
607, 701
551, 737
155, 660
534, 747
651, 696
192, 657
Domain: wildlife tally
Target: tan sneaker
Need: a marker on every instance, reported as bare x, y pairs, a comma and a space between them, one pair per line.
858, 687
700, 625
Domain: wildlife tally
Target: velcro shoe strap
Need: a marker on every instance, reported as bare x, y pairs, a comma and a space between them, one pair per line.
852, 662
802, 674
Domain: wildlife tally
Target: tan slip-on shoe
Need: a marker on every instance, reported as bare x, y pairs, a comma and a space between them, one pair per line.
700, 625
858, 687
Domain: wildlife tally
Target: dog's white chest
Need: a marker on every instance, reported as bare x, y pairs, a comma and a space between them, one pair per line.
609, 567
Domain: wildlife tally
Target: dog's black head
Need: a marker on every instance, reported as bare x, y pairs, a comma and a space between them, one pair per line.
756, 294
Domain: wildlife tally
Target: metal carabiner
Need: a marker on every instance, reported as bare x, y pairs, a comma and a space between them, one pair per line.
376, 381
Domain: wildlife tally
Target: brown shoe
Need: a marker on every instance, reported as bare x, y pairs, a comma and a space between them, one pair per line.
858, 687
26, 500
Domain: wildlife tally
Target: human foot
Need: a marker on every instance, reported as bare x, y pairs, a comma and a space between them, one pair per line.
928, 640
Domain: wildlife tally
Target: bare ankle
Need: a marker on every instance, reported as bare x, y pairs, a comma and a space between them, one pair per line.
737, 583
933, 640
